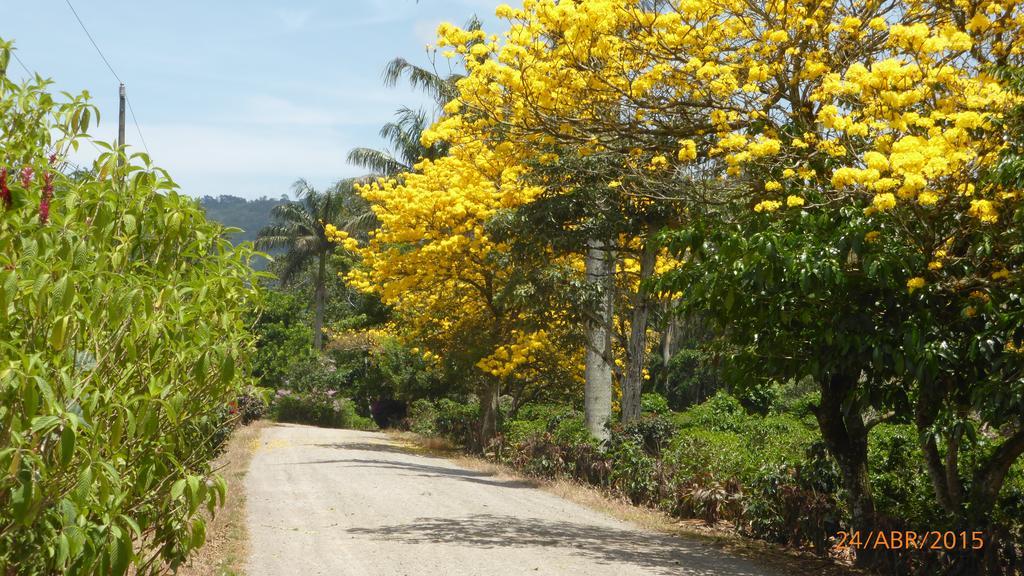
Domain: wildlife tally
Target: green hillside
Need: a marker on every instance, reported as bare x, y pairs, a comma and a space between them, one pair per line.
249, 215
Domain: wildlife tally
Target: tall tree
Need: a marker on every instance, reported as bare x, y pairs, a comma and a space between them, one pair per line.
300, 229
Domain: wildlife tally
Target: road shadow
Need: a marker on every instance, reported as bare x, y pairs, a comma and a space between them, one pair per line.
424, 470
368, 447
660, 553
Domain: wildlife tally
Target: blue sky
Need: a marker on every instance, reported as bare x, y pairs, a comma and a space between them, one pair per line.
238, 97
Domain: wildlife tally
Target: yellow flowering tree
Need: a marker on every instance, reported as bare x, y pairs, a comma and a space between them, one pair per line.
450, 284
828, 123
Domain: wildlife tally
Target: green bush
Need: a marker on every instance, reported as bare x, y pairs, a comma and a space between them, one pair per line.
632, 470
900, 485
319, 408
722, 455
314, 374
122, 311
653, 403
795, 502
422, 417
721, 412
283, 337
458, 422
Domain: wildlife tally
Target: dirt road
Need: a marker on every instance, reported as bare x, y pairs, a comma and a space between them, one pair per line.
341, 502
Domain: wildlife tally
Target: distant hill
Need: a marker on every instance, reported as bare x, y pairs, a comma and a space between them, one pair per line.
249, 215
235, 212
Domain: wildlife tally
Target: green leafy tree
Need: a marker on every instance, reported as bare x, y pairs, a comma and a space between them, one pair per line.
122, 310
283, 337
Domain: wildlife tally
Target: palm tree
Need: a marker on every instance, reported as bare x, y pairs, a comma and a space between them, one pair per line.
404, 133
299, 228
406, 149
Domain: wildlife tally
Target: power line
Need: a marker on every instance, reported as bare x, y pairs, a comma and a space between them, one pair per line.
136, 122
94, 45
22, 64
111, 68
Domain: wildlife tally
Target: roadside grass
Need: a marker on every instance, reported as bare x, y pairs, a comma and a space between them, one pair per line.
227, 538
721, 536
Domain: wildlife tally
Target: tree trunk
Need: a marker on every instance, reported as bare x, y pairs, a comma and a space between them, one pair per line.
597, 392
489, 411
632, 384
319, 297
846, 438
989, 479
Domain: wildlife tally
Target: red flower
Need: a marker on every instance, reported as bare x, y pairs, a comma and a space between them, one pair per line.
26, 176
44, 202
5, 192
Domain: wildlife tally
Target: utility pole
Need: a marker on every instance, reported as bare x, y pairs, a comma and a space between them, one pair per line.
120, 124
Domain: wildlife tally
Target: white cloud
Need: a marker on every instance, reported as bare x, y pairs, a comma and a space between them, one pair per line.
266, 109
193, 148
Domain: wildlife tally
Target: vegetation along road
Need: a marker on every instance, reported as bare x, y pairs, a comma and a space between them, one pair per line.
324, 501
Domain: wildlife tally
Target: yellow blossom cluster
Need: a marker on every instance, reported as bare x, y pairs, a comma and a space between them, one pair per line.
523, 350
340, 237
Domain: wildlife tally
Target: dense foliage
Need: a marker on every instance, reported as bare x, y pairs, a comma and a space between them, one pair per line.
768, 476
691, 196
122, 314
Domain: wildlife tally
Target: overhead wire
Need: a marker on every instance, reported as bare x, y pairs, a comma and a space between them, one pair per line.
85, 29
136, 122
94, 45
20, 63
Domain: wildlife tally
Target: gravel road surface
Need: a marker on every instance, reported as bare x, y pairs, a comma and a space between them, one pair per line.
341, 502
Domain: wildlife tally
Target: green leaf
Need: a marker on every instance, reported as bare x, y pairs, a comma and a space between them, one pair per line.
177, 489
44, 424
227, 369
21, 497
67, 445
198, 533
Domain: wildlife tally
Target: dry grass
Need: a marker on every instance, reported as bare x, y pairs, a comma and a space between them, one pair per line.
721, 536
226, 535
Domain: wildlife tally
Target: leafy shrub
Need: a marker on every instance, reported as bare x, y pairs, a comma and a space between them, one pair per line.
571, 429
697, 452
314, 374
122, 311
251, 407
653, 403
632, 470
319, 408
899, 483
518, 431
760, 397
458, 422
795, 503
422, 417
721, 412
651, 432
283, 337
692, 375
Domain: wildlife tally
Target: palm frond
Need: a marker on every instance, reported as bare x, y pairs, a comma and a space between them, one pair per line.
442, 90
376, 161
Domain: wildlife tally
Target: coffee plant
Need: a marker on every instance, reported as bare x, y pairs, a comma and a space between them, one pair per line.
121, 312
